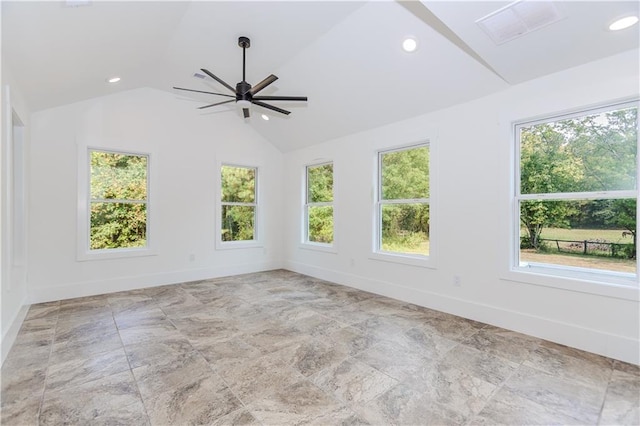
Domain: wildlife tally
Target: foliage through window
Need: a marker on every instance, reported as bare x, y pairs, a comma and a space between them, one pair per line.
118, 200
238, 203
403, 201
319, 204
577, 193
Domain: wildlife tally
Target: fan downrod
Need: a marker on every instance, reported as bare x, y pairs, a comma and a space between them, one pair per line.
244, 42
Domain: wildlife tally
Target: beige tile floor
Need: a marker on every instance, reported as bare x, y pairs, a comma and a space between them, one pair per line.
280, 348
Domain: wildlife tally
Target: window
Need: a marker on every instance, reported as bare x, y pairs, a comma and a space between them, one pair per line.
118, 200
238, 203
319, 204
402, 210
576, 197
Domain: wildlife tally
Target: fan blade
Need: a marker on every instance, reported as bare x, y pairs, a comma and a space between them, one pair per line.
264, 83
219, 103
271, 107
202, 91
210, 74
245, 112
280, 98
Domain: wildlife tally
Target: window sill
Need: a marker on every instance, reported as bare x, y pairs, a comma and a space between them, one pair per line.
327, 248
115, 254
420, 261
619, 286
233, 245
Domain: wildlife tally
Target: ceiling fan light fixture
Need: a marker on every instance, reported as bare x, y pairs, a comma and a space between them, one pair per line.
624, 22
244, 93
409, 44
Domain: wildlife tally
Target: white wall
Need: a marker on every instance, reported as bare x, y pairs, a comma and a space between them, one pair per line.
471, 155
13, 292
185, 146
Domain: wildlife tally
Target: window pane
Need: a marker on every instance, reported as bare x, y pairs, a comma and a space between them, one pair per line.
321, 224
320, 183
238, 223
405, 174
589, 153
118, 225
118, 176
598, 234
405, 228
238, 184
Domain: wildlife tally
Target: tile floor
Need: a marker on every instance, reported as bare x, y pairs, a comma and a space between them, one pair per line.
280, 348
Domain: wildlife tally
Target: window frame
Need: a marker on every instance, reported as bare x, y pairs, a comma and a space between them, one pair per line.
306, 243
590, 280
257, 239
83, 244
426, 261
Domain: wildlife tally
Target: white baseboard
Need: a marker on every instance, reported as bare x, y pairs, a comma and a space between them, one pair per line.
96, 287
606, 344
9, 337
590, 340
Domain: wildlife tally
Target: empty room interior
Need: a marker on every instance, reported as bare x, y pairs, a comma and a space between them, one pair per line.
320, 212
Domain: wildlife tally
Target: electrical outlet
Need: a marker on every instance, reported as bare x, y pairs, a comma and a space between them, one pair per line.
457, 281
352, 262
192, 257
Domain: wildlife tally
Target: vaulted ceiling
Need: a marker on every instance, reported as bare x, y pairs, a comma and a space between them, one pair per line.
345, 56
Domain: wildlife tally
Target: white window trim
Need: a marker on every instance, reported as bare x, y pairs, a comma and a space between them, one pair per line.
311, 245
83, 252
592, 281
257, 242
377, 253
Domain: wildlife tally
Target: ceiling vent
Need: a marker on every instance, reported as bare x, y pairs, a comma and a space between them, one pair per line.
519, 18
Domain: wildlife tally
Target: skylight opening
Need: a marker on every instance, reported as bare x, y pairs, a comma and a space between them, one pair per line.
520, 18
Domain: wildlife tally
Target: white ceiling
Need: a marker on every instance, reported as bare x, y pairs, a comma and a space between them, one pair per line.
345, 56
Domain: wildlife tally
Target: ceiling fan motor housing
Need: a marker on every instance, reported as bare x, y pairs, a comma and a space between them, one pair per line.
242, 91
245, 93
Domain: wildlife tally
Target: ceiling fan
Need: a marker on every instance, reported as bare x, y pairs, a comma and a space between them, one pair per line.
244, 93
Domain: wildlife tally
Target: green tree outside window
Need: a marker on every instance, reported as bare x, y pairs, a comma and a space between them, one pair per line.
404, 201
118, 201
319, 203
579, 174
238, 203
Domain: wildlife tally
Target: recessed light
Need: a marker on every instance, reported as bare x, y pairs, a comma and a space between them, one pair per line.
622, 23
409, 44
265, 117
113, 80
